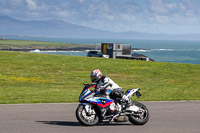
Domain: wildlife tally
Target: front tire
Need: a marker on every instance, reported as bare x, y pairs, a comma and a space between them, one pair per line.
86, 119
141, 117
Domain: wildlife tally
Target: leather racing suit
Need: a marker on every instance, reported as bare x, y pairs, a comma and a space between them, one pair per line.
108, 88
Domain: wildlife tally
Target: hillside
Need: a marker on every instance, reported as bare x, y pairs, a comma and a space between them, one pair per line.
60, 28
43, 78
55, 28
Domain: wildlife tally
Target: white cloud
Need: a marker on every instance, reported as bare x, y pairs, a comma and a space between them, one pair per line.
162, 19
128, 17
171, 6
6, 11
16, 2
31, 5
115, 15
190, 13
157, 6
109, 17
62, 14
182, 6
81, 1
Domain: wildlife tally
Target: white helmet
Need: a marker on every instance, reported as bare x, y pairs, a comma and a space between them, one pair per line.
95, 75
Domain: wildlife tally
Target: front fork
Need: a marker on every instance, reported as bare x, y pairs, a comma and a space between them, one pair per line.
87, 108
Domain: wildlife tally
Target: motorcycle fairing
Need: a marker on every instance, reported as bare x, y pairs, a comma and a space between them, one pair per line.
84, 97
130, 92
85, 93
109, 90
102, 102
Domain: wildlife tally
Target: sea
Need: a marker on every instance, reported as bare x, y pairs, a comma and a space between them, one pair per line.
174, 51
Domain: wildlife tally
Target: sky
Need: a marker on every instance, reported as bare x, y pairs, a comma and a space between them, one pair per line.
149, 16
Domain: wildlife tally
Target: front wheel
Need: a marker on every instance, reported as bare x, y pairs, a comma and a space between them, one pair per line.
141, 116
84, 118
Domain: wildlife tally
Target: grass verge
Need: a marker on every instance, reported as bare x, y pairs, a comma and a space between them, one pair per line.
43, 78
23, 44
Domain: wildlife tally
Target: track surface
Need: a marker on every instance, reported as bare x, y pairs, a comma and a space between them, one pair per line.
165, 117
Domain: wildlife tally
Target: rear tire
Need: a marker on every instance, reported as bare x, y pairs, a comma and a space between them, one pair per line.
139, 118
84, 118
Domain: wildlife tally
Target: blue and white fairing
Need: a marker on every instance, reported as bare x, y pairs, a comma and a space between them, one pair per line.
88, 96
130, 92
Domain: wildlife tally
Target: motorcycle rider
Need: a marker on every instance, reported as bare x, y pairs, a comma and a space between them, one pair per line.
107, 87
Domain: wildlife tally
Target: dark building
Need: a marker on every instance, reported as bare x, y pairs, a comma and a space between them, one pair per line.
115, 50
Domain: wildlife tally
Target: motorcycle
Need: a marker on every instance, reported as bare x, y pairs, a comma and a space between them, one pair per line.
94, 109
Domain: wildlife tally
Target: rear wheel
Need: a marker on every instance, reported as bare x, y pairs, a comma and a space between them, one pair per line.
140, 117
86, 119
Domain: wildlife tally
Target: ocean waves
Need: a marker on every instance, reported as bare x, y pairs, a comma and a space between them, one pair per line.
149, 50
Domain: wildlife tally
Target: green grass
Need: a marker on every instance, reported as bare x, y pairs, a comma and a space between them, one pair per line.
43, 78
23, 44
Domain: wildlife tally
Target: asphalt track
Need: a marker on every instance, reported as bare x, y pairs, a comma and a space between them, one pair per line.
165, 117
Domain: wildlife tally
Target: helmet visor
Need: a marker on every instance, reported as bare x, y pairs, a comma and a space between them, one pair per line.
93, 78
